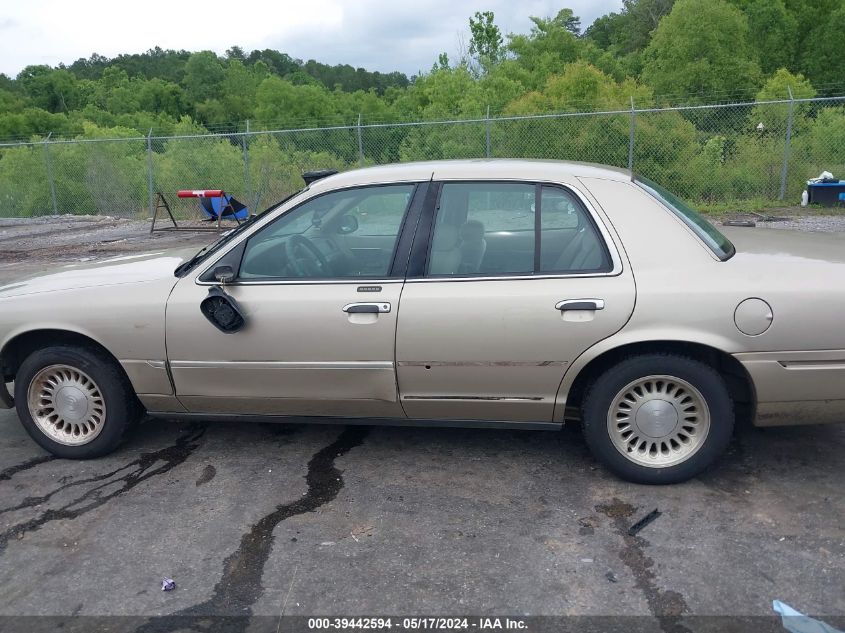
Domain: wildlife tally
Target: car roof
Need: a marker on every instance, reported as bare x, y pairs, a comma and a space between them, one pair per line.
480, 168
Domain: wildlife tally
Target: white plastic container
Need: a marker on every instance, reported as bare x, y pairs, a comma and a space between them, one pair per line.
805, 198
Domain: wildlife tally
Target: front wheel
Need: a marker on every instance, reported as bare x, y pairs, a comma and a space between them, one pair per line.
73, 401
658, 418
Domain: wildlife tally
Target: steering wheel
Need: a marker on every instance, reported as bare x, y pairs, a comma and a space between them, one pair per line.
304, 258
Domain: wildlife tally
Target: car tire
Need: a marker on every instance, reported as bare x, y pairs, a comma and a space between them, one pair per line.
75, 402
658, 418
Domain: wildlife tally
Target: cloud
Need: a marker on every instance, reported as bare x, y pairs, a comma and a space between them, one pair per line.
380, 35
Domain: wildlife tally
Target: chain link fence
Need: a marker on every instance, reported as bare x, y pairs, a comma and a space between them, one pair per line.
760, 153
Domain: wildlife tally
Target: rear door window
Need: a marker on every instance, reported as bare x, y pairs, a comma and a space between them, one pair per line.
509, 228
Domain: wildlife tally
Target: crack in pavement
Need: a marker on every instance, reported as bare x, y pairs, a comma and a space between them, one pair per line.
171, 456
240, 586
7, 473
666, 605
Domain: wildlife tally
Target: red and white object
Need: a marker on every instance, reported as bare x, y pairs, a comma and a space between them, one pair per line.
200, 193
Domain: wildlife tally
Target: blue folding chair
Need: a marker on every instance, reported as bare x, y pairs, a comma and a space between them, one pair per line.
223, 207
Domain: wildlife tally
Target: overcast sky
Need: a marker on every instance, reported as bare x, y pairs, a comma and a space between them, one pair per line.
380, 35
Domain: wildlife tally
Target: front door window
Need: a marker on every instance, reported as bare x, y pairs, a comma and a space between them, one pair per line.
344, 234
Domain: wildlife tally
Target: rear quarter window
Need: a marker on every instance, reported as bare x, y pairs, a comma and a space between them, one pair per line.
709, 234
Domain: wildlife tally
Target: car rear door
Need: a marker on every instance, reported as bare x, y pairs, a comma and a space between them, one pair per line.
318, 340
509, 282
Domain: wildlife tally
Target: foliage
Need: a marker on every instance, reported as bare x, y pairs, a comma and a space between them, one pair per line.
701, 50
825, 59
630, 30
655, 51
773, 33
486, 40
548, 47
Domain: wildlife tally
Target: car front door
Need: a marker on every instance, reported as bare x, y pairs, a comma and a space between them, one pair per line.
509, 282
319, 288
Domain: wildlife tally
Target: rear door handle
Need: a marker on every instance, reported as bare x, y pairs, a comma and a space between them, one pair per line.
580, 304
366, 308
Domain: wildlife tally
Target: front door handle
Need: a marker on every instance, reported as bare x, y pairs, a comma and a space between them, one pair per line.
366, 308
580, 304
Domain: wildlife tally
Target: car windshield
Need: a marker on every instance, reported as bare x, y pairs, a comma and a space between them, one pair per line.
707, 232
206, 251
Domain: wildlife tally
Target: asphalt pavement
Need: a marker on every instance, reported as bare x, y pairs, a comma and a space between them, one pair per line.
255, 521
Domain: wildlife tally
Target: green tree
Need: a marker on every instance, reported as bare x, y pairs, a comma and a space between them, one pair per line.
203, 75
581, 87
823, 60
54, 90
774, 116
773, 33
547, 48
700, 52
486, 41
279, 103
158, 95
570, 21
780, 83
630, 30
235, 52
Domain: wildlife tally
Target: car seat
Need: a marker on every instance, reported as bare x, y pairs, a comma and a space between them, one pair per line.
473, 247
582, 253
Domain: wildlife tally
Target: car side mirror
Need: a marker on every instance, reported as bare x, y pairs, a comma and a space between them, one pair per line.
222, 311
224, 274
348, 224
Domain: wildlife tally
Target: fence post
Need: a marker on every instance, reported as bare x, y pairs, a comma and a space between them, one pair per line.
49, 165
784, 172
247, 184
150, 170
487, 125
631, 140
360, 143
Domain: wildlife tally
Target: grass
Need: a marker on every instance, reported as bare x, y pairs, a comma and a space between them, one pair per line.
764, 206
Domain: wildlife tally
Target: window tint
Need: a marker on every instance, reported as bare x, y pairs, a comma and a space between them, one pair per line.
378, 214
350, 233
483, 228
708, 233
569, 242
489, 229
560, 209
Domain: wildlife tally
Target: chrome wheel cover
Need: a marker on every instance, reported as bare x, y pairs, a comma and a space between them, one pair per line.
658, 421
66, 405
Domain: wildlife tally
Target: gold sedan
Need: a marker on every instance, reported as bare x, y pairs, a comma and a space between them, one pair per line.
503, 293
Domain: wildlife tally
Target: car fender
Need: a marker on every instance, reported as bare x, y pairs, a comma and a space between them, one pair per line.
638, 336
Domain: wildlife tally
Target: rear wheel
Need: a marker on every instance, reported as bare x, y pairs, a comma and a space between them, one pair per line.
73, 401
658, 418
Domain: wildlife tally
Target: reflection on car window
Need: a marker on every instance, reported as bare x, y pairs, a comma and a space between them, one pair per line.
376, 215
489, 228
349, 233
560, 211
569, 242
483, 228
707, 232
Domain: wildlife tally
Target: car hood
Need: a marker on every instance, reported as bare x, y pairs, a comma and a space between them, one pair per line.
785, 244
126, 269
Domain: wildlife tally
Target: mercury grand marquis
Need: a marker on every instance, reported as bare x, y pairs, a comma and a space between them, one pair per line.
484, 293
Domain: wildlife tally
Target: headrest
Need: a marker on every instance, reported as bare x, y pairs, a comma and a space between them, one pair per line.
445, 238
472, 231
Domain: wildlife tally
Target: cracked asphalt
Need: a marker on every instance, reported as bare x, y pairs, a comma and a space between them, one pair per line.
255, 521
